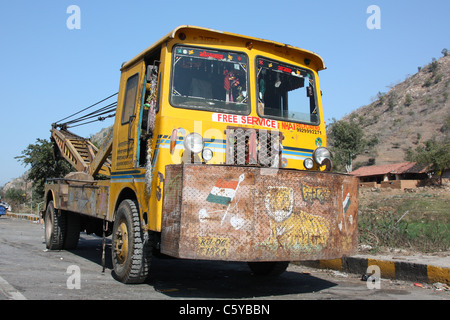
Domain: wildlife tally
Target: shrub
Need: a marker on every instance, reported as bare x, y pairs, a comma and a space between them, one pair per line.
408, 100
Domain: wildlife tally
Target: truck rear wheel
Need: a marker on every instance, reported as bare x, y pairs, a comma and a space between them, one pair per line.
131, 250
55, 228
268, 268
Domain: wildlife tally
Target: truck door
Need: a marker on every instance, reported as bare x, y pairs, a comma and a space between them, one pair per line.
126, 126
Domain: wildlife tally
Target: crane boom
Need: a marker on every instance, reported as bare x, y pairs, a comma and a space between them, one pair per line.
82, 154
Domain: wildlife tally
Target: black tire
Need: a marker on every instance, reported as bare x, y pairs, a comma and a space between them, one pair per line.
55, 228
268, 268
131, 250
72, 230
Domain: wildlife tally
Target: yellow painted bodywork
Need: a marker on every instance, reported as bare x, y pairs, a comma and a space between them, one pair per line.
128, 177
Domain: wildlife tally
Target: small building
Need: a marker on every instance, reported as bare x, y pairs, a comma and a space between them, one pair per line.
398, 175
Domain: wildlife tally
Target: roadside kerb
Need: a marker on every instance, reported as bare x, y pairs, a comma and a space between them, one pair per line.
25, 216
400, 270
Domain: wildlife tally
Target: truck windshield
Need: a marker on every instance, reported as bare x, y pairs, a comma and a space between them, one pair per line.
286, 92
210, 80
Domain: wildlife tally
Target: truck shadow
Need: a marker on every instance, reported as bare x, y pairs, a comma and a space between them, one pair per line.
90, 248
177, 278
226, 280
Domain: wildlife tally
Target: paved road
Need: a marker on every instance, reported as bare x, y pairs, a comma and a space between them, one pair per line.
29, 271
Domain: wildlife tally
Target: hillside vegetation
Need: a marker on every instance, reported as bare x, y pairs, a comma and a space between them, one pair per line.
410, 113
415, 221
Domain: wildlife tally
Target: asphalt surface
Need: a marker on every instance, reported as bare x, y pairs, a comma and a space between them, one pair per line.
23, 255
417, 267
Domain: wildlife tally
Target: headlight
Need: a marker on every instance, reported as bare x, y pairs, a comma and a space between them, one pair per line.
308, 163
320, 154
194, 143
207, 154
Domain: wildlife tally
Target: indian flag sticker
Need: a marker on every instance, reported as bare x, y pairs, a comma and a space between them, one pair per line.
224, 191
346, 203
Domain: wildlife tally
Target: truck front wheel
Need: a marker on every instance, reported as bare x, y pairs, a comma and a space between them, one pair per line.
131, 249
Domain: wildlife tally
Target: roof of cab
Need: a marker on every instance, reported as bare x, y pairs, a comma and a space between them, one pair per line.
314, 57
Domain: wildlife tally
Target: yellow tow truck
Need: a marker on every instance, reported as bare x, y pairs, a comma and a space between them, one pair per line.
218, 152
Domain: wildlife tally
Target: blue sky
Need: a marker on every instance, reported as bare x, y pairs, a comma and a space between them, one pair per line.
49, 71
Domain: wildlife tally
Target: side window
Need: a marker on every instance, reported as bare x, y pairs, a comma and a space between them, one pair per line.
130, 98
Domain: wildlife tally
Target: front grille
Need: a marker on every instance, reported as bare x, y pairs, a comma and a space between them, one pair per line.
248, 146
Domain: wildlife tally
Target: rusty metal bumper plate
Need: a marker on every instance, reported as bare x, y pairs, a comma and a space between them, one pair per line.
236, 213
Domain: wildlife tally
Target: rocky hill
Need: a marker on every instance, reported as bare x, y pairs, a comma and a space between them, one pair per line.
98, 138
411, 112
21, 183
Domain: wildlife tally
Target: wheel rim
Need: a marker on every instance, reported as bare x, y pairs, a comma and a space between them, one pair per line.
121, 243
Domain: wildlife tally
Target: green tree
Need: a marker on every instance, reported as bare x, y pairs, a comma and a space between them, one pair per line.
434, 153
15, 195
347, 141
43, 163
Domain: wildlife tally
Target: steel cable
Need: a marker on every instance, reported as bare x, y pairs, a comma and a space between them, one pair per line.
99, 114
